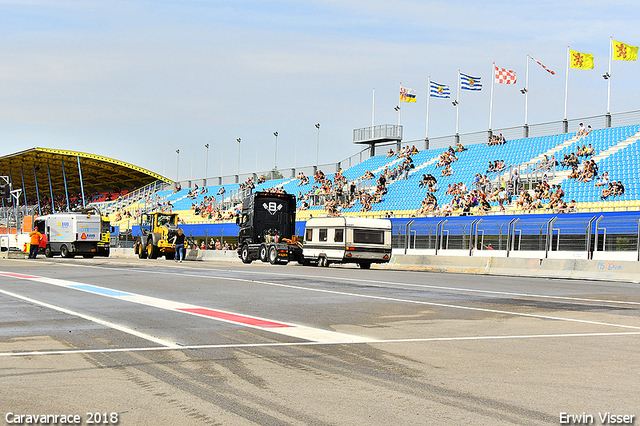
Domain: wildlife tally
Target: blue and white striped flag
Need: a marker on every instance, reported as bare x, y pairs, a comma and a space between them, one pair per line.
468, 82
439, 90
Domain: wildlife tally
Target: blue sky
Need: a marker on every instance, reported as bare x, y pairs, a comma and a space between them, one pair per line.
136, 80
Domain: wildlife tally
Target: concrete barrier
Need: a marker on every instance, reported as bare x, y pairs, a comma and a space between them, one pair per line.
604, 270
191, 255
523, 267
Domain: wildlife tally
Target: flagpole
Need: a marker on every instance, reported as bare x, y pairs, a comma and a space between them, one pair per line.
458, 110
428, 98
373, 109
565, 122
399, 107
493, 79
609, 83
526, 102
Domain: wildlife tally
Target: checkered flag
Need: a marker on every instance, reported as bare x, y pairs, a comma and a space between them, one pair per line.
504, 76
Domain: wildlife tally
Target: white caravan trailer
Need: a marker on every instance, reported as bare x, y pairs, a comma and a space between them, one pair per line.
347, 240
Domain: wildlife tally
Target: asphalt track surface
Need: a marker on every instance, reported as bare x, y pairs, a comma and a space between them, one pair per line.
197, 343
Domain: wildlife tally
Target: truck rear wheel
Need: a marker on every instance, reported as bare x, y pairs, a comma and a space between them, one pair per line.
273, 255
244, 254
64, 251
264, 255
48, 252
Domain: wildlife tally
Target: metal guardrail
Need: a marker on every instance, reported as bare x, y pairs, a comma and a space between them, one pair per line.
587, 234
382, 132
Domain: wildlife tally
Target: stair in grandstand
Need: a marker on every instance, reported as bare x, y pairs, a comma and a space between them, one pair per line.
555, 149
563, 174
551, 151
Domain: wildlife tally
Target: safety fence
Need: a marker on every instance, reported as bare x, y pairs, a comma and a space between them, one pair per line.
588, 234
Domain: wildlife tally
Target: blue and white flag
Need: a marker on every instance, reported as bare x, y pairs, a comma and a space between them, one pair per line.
468, 82
439, 90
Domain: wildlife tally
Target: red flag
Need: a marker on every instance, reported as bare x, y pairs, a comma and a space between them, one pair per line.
504, 76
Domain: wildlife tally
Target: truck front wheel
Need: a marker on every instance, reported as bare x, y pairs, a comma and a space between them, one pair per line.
244, 254
48, 252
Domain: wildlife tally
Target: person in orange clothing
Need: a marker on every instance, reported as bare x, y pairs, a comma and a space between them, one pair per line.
35, 243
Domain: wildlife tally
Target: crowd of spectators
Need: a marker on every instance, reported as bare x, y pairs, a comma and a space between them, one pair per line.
496, 140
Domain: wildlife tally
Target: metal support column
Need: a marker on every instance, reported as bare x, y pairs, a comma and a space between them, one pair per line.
471, 245
548, 242
595, 248
81, 183
35, 178
638, 243
407, 235
66, 192
53, 206
589, 234
509, 233
475, 243
438, 235
24, 192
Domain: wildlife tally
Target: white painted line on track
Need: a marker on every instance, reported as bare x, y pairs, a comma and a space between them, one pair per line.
109, 324
436, 287
298, 344
287, 329
392, 299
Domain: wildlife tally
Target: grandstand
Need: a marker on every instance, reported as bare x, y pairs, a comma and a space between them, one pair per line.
211, 210
615, 151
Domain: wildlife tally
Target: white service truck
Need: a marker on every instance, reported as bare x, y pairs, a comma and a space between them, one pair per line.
71, 234
347, 240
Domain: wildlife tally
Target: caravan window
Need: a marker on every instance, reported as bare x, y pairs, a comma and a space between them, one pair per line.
322, 234
308, 235
339, 236
365, 236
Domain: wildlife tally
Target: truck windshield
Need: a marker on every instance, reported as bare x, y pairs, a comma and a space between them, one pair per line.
367, 236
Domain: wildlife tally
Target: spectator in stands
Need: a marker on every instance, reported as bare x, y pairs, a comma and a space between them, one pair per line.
460, 148
604, 180
608, 191
581, 131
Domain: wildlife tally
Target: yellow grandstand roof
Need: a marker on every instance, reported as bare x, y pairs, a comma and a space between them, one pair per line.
99, 174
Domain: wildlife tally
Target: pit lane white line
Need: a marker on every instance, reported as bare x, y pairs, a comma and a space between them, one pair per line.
436, 287
294, 344
109, 324
394, 299
286, 329
369, 282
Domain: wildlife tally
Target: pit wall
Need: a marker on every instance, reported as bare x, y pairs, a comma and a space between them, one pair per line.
576, 268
